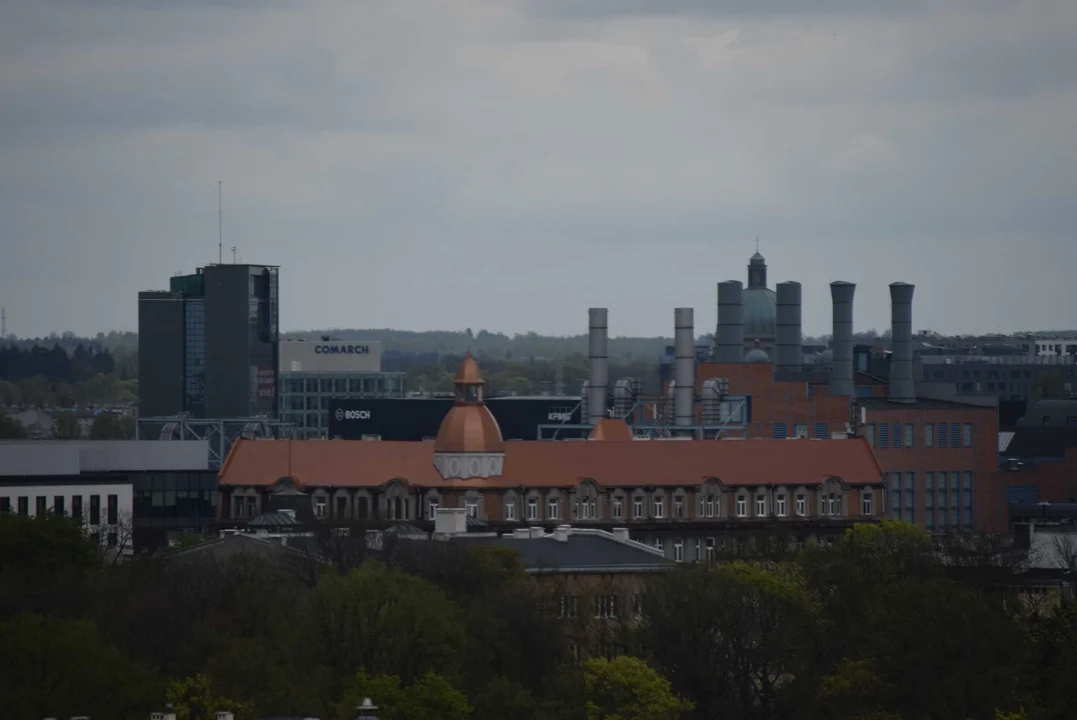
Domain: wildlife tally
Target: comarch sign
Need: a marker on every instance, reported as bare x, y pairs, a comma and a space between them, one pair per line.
341, 349
336, 356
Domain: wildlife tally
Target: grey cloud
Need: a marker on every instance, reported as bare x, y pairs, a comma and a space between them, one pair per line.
605, 9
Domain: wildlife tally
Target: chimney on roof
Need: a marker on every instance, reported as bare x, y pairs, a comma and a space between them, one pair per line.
901, 384
450, 521
536, 532
841, 364
684, 392
620, 534
787, 329
598, 353
521, 533
561, 533
729, 343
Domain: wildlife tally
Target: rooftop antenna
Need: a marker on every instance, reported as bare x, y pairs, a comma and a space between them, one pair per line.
220, 226
3, 323
757, 243
233, 254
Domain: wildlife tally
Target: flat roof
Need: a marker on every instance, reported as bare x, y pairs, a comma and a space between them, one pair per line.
922, 404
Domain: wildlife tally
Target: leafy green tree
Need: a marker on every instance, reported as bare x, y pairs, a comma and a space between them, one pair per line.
9, 394
107, 426
66, 427
626, 688
1054, 694
193, 699
10, 429
383, 619
37, 391
61, 667
44, 544
430, 697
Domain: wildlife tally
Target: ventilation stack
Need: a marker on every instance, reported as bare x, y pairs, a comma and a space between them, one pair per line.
729, 345
841, 374
901, 385
684, 342
787, 330
598, 353
624, 397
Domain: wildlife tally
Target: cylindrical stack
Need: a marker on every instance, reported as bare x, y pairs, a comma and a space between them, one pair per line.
684, 344
841, 373
787, 328
901, 385
730, 340
598, 354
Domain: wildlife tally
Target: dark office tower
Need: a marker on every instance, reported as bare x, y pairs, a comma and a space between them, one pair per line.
208, 346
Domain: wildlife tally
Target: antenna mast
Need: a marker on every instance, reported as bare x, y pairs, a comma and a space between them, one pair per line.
220, 227
3, 323
233, 254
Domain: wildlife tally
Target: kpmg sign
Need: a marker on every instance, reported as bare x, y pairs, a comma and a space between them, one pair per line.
341, 349
330, 356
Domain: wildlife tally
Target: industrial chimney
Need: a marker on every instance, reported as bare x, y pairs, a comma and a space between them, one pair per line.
787, 329
599, 357
684, 342
841, 373
901, 385
729, 345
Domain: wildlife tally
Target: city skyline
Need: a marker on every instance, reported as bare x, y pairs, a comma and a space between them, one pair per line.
508, 165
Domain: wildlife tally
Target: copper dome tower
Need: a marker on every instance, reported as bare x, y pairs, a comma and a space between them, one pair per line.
469, 442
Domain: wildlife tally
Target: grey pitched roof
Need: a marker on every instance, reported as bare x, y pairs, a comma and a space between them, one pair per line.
273, 519
581, 552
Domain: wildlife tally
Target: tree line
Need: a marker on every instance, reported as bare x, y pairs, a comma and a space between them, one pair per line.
88, 374
872, 627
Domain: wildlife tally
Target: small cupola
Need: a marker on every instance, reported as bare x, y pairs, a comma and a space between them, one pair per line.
469, 442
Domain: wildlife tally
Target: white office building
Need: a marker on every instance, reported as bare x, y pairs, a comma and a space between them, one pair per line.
314, 371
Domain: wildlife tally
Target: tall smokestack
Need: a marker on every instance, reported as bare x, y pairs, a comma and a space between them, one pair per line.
787, 329
729, 345
684, 342
901, 386
841, 373
599, 357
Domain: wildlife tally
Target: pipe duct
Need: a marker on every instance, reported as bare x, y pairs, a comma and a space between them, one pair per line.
841, 373
598, 354
684, 343
729, 343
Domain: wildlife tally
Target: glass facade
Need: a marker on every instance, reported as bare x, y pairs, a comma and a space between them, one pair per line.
304, 399
194, 361
168, 504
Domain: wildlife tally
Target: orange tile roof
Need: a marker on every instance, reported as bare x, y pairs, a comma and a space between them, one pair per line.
610, 463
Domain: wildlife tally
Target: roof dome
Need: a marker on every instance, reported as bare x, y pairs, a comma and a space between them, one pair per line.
825, 359
757, 355
469, 427
760, 313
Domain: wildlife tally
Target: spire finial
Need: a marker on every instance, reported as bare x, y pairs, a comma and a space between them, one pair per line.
757, 243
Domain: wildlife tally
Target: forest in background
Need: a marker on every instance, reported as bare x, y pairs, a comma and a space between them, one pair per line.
876, 626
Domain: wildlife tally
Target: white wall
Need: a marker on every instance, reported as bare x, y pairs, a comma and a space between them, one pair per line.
70, 457
344, 356
124, 505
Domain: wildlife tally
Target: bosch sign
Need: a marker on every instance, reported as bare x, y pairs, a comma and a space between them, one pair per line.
341, 349
343, 414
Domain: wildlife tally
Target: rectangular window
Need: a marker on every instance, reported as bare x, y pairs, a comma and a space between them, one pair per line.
41, 505
432, 509
678, 506
779, 506
760, 507
637, 508
590, 509
237, 507
553, 506
532, 508
710, 548
58, 504
742, 506
95, 509
699, 550
618, 508
113, 539
929, 434
910, 496
884, 435
865, 503
659, 508
942, 436
801, 430
802, 505
319, 508
471, 506
966, 435
822, 431
24, 505
659, 544
955, 435
710, 506
910, 430
870, 429
929, 491
966, 498
113, 509
678, 550
895, 435
5, 505
510, 510
252, 506
781, 431
895, 495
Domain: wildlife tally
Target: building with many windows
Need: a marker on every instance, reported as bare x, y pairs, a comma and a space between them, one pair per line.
207, 346
132, 495
314, 373
687, 498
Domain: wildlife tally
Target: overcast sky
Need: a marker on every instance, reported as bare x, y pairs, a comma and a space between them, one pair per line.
506, 164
